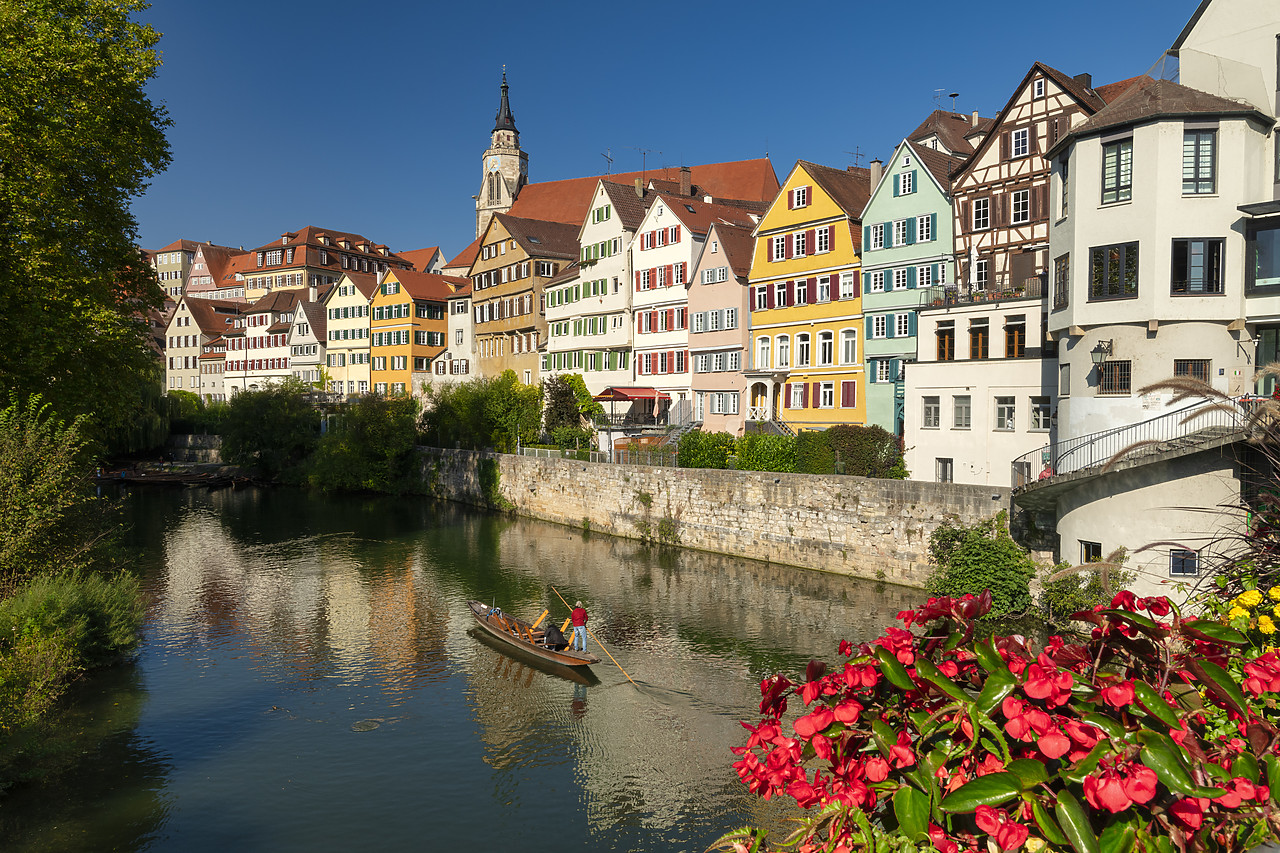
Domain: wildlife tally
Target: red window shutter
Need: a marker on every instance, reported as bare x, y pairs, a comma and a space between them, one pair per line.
671, 361
670, 272
790, 246
637, 279
831, 237
810, 244
966, 220
804, 396
1033, 139
791, 199
1039, 203
848, 394
671, 318
791, 293
786, 394
813, 290
1004, 209
769, 291
677, 237
817, 394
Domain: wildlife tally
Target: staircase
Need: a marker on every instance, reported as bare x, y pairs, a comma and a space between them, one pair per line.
672, 439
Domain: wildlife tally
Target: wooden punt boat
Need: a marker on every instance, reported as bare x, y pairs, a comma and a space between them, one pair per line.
522, 635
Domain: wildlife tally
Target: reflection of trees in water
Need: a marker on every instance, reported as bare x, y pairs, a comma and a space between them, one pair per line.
105, 789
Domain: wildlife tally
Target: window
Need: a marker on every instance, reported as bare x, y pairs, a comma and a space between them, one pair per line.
907, 182
1198, 162
1117, 171
1015, 336
827, 395
945, 470
1262, 254
880, 326
1199, 369
883, 368
826, 348
800, 197
924, 276
799, 244
822, 240
824, 289
1090, 552
877, 236
1197, 266
779, 248
848, 285
1061, 281
1020, 142
762, 353
797, 395
1066, 187
900, 232
1183, 562
875, 281
1021, 207
802, 292
961, 415
802, 350
981, 274
932, 409
981, 213
924, 228
1040, 414
946, 334
900, 279
1113, 271
902, 325
979, 338
784, 351
1006, 414
1037, 88
849, 346
1114, 377
762, 297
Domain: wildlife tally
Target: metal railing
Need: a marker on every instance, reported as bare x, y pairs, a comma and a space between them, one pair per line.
946, 296
660, 458
1186, 427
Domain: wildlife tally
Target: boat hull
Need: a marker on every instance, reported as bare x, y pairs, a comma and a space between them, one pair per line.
501, 627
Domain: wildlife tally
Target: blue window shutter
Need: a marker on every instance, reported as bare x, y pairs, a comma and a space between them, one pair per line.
911, 230
937, 273
915, 183
866, 237
871, 371
888, 281
894, 366
896, 182
868, 328
911, 277
888, 325
911, 321
933, 226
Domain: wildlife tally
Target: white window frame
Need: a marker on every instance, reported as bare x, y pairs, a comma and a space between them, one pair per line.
876, 285
924, 229
797, 396
848, 346
1020, 142
981, 214
1020, 207
906, 181
877, 236
900, 232
826, 348
902, 325
824, 288
763, 346
827, 395
880, 326
848, 289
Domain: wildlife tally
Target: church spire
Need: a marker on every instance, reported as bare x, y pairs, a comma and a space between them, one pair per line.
504, 119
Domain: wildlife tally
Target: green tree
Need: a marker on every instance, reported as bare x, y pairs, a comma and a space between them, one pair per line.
978, 557
80, 138
368, 447
700, 449
513, 411
271, 431
569, 411
760, 452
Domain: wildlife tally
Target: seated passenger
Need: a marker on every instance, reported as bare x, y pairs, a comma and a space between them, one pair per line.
555, 639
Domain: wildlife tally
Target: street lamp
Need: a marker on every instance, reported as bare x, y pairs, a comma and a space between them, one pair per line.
1100, 352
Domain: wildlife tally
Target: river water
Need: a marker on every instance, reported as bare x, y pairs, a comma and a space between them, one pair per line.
310, 681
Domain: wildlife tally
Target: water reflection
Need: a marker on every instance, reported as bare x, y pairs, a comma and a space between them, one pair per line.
279, 621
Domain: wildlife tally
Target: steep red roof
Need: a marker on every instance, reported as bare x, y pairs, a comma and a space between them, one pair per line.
424, 285
466, 257
420, 258
542, 239
213, 316
737, 244
950, 128
698, 216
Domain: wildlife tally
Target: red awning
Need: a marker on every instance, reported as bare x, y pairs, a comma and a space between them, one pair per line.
623, 395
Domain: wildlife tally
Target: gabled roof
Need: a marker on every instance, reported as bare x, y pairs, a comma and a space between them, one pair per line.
365, 282
311, 235
277, 300
1159, 99
951, 128
698, 216
316, 316
737, 244
213, 316
466, 257
429, 286
460, 290
570, 200
939, 165
630, 207
849, 188
421, 258
182, 245
542, 239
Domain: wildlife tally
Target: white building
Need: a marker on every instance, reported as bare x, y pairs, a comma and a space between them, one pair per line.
258, 347
347, 333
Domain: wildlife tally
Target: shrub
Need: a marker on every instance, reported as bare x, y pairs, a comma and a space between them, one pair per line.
271, 431
483, 413
813, 453
700, 449
981, 557
34, 673
759, 452
866, 451
1156, 734
369, 447
98, 616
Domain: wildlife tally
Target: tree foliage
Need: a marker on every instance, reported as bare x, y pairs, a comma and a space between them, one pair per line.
79, 138
271, 431
567, 417
760, 452
866, 451
483, 413
700, 449
368, 447
983, 556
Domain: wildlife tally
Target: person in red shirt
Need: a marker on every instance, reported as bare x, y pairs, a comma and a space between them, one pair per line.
579, 619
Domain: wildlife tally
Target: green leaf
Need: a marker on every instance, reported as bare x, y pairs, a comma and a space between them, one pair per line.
1216, 679
1109, 725
988, 657
1245, 765
893, 669
1075, 823
1048, 826
1155, 704
989, 790
954, 641
1204, 629
1117, 838
1029, 772
1162, 755
884, 736
926, 670
912, 809
1147, 626
1273, 776
999, 685
1088, 764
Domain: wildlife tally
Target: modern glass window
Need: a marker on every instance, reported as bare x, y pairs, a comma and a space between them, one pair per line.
1117, 171
932, 409
849, 346
1183, 562
1199, 172
1006, 413
802, 350
962, 412
1040, 414
981, 213
1115, 377
1021, 207
1262, 254
1113, 271
826, 348
1197, 266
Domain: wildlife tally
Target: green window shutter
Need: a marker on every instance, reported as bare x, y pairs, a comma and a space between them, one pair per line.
866, 237
911, 277
888, 281
933, 226
911, 323
889, 323
915, 184
871, 371
868, 329
937, 273
896, 182
894, 366
911, 230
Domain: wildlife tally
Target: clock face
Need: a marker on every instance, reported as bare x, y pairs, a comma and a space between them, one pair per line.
493, 163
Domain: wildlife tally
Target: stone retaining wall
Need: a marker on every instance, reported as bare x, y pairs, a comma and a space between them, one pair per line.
849, 525
194, 448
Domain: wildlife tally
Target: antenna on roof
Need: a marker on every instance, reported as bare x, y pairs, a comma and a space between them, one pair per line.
953, 97
857, 155
937, 97
644, 158
606, 156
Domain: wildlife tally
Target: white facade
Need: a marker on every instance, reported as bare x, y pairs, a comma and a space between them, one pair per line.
973, 403
184, 342
347, 334
455, 363
258, 349
306, 342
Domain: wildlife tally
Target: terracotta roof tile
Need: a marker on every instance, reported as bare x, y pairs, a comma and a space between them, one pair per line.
951, 128
466, 257
698, 216
540, 238
213, 316
421, 257
849, 188
737, 244
939, 165
425, 285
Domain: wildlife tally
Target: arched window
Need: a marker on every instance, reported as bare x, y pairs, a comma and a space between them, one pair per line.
849, 346
762, 353
493, 187
826, 347
784, 351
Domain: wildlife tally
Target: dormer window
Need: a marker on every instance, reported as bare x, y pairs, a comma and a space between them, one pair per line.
1037, 88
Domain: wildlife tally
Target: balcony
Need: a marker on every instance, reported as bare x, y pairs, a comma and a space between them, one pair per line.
951, 295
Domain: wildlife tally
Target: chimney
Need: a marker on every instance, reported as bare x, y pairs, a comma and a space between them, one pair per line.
975, 118
639, 188
312, 295
1085, 80
686, 182
877, 172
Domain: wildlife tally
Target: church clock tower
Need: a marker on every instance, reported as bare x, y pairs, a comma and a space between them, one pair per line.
505, 166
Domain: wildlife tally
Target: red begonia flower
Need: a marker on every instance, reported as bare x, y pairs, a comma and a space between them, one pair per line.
1189, 811
1045, 681
1054, 744
876, 769
1118, 695
848, 711
814, 722
941, 843
901, 752
1107, 792
1140, 783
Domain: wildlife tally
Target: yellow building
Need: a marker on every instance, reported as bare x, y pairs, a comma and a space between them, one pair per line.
408, 328
805, 359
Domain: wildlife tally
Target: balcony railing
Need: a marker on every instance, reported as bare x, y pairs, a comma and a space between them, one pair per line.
948, 295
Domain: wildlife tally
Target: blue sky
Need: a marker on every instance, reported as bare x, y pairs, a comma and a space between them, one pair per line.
372, 118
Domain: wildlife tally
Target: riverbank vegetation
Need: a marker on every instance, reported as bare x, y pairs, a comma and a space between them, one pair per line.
842, 449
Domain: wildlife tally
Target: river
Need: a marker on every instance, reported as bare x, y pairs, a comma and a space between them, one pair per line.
309, 680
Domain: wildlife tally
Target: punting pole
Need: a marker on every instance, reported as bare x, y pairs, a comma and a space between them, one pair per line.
598, 643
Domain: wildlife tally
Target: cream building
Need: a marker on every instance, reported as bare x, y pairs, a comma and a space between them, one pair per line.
193, 323
347, 311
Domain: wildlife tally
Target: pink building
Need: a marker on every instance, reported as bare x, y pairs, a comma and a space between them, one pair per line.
718, 328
